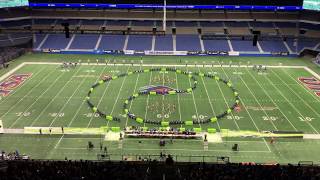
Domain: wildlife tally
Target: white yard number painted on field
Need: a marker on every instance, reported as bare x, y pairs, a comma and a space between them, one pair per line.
269, 118
56, 114
160, 116
90, 115
25, 114
199, 117
234, 117
309, 119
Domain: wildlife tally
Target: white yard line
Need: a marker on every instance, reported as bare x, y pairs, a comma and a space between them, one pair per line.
312, 72
290, 103
69, 98
104, 92
58, 143
272, 100
162, 112
194, 101
134, 90
146, 113
169, 65
178, 95
250, 115
115, 103
225, 100
259, 103
79, 108
212, 109
39, 97
52, 100
311, 108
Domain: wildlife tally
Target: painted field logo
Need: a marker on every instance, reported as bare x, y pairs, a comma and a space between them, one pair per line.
311, 83
12, 82
158, 89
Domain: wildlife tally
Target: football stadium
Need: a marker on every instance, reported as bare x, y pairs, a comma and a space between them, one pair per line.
159, 89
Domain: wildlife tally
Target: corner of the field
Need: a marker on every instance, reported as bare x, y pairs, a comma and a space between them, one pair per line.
312, 72
11, 71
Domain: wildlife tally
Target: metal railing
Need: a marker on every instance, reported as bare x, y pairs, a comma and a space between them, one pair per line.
158, 157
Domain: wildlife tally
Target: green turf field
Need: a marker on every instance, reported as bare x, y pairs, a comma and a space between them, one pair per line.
273, 100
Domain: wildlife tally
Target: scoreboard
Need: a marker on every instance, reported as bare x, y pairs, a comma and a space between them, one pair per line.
311, 4
173, 4
13, 3
184, 2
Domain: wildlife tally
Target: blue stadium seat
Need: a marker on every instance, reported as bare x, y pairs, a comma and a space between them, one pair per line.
273, 46
56, 41
164, 43
112, 42
216, 45
38, 40
84, 41
302, 43
187, 42
243, 46
139, 42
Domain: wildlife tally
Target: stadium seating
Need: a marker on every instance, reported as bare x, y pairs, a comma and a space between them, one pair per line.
186, 37
164, 43
55, 41
142, 25
43, 21
274, 45
216, 45
38, 39
112, 42
302, 43
186, 24
243, 46
188, 43
14, 39
139, 42
15, 24
91, 24
212, 27
89, 39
